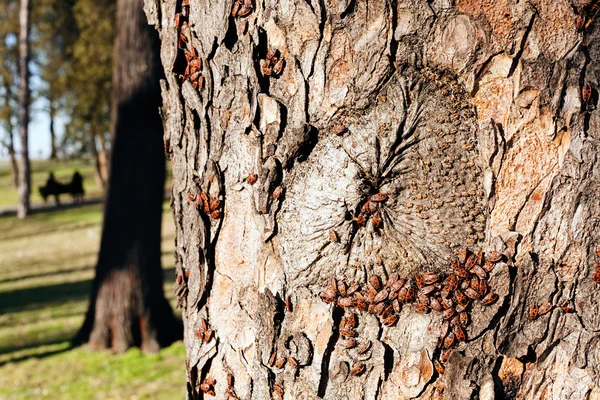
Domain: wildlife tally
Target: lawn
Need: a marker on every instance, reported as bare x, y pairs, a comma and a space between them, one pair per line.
63, 172
46, 267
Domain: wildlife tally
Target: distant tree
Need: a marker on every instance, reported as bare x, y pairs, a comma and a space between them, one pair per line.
9, 28
55, 33
127, 306
88, 84
24, 167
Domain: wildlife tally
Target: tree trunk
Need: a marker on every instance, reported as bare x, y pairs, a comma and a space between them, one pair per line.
469, 115
99, 176
24, 167
128, 307
52, 115
103, 158
14, 167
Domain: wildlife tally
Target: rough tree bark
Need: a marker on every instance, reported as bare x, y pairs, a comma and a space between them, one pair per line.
24, 167
469, 114
127, 306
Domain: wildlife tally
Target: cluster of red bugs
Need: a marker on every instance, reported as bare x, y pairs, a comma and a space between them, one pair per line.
193, 68
448, 293
280, 362
586, 15
537, 310
205, 332
274, 63
350, 341
241, 9
181, 21
596, 273
371, 209
209, 205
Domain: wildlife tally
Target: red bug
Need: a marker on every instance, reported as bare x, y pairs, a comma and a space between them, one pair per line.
390, 320
278, 67
292, 362
376, 220
435, 304
338, 129
351, 321
361, 220
277, 192
431, 277
354, 287
346, 302
471, 293
544, 308
459, 333
421, 308
438, 367
252, 178
449, 340
341, 288
365, 345
460, 297
375, 282
288, 304
381, 296
348, 333
448, 313
532, 312
494, 256
464, 319
586, 92
357, 369
462, 255
348, 343
280, 362
446, 355
379, 197
490, 298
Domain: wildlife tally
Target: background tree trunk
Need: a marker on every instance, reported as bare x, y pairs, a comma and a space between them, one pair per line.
51, 116
469, 114
128, 307
24, 167
10, 144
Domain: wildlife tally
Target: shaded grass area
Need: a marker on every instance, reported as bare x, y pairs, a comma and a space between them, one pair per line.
46, 269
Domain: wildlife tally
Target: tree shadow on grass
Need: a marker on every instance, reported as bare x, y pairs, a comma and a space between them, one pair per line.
52, 295
67, 347
49, 273
43, 296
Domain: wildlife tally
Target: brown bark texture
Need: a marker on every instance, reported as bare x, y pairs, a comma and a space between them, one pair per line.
477, 118
24, 95
127, 306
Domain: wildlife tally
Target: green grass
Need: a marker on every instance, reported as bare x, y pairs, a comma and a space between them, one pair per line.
46, 268
63, 172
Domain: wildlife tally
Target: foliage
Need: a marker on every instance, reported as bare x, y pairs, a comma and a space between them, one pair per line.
90, 76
